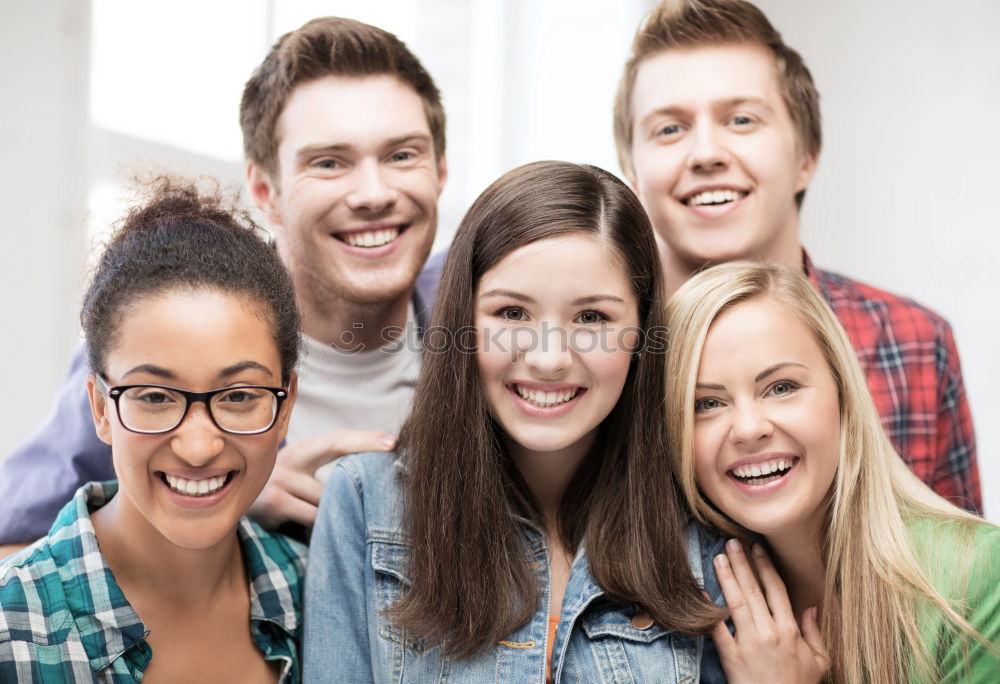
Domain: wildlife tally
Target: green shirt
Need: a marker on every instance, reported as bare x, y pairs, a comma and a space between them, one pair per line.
963, 564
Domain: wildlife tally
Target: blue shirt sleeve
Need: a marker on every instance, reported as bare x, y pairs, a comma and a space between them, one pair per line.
41, 475
336, 643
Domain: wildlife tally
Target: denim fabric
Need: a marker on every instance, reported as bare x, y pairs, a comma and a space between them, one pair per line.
358, 567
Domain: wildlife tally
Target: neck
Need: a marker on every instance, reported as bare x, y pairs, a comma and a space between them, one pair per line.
147, 564
354, 327
798, 557
677, 269
548, 473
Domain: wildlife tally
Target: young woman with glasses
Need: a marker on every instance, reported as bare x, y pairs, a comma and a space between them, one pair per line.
192, 336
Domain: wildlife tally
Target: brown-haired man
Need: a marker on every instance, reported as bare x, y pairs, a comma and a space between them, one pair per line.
344, 139
717, 128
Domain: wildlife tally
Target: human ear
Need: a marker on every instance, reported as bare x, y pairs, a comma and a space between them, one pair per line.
263, 191
442, 169
807, 167
99, 410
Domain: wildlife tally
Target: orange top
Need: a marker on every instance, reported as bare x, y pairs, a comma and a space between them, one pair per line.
553, 624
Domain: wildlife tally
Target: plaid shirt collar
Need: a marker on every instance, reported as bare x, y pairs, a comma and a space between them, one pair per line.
815, 275
85, 576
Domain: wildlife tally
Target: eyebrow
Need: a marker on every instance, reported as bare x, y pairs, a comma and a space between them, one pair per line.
580, 301
775, 368
760, 376
152, 369
229, 371
226, 372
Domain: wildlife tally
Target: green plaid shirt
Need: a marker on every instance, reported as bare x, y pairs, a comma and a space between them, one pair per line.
65, 619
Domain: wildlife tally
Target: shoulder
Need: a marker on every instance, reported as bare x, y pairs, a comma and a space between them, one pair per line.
34, 606
364, 489
279, 551
375, 473
961, 556
846, 294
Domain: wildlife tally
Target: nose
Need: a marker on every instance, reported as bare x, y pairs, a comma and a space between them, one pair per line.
370, 191
546, 349
750, 423
708, 153
197, 440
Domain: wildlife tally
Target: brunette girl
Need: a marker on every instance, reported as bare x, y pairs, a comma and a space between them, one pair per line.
192, 335
529, 528
774, 433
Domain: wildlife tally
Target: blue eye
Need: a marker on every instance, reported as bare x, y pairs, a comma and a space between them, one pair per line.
706, 404
782, 388
669, 129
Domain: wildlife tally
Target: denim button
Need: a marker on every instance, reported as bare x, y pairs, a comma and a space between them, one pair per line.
642, 620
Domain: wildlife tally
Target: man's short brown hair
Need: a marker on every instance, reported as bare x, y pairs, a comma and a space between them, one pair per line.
699, 23
327, 46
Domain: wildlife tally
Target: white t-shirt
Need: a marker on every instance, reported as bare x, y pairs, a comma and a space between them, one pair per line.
370, 390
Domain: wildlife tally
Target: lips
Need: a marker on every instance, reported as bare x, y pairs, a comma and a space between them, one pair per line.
373, 236
762, 472
198, 490
713, 196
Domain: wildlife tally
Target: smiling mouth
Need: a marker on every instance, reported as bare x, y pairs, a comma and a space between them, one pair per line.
370, 238
713, 198
763, 473
547, 399
196, 488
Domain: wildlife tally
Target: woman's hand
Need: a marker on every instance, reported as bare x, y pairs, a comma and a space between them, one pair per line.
768, 645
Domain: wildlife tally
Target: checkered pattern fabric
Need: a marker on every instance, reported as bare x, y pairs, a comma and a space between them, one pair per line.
63, 618
909, 356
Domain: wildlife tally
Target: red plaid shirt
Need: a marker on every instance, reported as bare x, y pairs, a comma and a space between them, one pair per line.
908, 354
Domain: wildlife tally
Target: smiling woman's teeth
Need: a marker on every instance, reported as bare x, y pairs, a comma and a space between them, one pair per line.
762, 473
545, 399
714, 197
195, 487
371, 238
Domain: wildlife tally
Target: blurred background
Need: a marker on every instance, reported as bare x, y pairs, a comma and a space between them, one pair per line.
95, 91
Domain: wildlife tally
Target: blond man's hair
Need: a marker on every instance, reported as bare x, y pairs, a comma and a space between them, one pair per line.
877, 590
681, 24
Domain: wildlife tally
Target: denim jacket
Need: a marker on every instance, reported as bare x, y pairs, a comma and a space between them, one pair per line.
357, 568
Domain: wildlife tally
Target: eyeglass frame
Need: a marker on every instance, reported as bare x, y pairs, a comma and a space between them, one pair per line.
116, 392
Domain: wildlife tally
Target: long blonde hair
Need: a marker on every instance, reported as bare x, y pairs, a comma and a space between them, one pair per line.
876, 583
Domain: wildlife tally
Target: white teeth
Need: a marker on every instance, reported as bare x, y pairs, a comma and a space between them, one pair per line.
371, 238
545, 399
195, 487
758, 470
714, 197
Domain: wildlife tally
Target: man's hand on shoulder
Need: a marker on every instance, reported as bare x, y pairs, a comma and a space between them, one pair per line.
293, 492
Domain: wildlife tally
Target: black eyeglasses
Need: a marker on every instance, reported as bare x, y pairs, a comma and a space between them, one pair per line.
154, 409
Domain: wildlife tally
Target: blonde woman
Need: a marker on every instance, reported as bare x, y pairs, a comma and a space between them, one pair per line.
776, 440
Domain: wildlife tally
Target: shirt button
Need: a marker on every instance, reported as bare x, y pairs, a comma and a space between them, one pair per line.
642, 620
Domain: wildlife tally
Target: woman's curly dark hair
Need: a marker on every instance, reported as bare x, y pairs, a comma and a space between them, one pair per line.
181, 237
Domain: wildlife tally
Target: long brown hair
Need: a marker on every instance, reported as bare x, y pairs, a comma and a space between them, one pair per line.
472, 584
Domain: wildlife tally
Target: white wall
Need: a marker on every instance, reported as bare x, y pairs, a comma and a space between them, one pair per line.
902, 197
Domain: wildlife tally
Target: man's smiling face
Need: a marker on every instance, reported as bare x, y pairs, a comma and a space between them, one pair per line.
354, 203
716, 156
